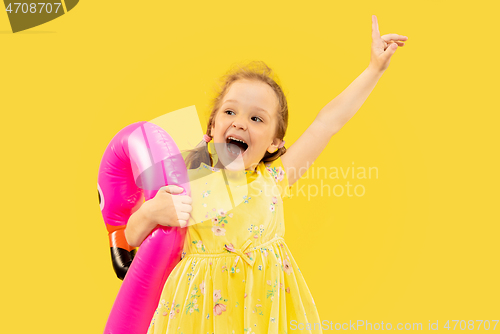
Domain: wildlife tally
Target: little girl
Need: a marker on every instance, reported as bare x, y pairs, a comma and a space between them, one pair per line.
237, 274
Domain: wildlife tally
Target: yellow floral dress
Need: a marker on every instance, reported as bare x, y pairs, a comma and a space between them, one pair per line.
236, 274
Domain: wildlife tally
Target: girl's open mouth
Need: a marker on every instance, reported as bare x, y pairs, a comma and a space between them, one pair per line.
236, 146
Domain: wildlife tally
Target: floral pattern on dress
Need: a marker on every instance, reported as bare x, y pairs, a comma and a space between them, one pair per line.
233, 269
219, 231
258, 308
264, 251
277, 172
192, 305
219, 307
256, 231
171, 311
273, 204
219, 221
202, 287
191, 274
272, 291
286, 266
199, 245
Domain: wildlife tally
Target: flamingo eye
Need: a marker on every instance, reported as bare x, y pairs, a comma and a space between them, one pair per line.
101, 197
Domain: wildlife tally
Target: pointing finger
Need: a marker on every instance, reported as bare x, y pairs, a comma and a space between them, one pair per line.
376, 40
375, 31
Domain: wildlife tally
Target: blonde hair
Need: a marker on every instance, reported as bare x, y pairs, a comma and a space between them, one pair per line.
255, 70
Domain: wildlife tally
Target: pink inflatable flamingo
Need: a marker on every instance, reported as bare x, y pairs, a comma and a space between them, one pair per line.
138, 161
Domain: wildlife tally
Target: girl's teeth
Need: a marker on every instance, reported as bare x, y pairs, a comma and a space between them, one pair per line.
236, 139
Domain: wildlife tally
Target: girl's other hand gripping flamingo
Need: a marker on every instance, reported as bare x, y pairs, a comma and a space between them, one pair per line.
301, 154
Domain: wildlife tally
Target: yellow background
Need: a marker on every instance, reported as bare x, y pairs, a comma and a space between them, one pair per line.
421, 244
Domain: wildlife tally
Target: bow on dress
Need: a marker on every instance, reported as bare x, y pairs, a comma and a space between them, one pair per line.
242, 253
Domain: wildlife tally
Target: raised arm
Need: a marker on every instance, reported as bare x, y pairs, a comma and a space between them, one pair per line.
301, 154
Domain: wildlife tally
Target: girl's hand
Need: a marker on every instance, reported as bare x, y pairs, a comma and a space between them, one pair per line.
167, 209
383, 47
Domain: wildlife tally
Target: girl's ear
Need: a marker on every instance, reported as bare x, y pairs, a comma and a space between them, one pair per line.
274, 145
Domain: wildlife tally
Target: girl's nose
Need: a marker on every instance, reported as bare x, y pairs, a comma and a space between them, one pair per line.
239, 125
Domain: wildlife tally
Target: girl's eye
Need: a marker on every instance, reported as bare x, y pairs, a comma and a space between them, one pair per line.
258, 119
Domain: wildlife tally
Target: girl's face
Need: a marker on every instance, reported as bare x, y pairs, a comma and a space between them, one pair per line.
248, 112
